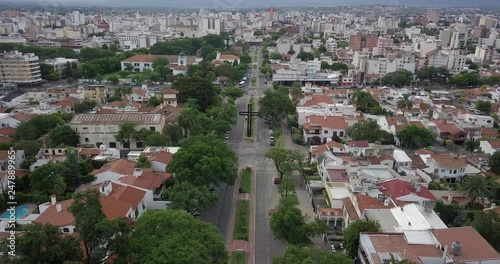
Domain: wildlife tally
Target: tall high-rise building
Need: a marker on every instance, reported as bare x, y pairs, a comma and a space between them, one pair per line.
371, 41
272, 14
19, 68
459, 37
355, 42
432, 15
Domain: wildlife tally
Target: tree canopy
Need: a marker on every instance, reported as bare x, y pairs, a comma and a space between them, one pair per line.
64, 135
494, 162
275, 105
487, 224
365, 103
190, 198
476, 188
204, 160
289, 224
300, 255
351, 234
175, 237
369, 130
44, 244
37, 126
483, 106
197, 88
398, 78
285, 160
416, 137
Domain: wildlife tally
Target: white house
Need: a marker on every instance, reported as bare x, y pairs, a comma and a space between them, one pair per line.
448, 167
479, 120
489, 146
139, 94
321, 129
221, 58
98, 129
402, 161
177, 63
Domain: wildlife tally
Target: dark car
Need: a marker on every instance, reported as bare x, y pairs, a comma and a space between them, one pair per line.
277, 180
272, 144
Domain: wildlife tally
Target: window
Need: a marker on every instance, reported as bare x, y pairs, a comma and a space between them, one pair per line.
59, 150
152, 128
442, 170
85, 128
126, 144
86, 139
65, 230
489, 121
138, 144
454, 171
341, 134
325, 132
112, 144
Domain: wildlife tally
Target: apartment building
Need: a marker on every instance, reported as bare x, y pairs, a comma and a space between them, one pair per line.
98, 129
19, 68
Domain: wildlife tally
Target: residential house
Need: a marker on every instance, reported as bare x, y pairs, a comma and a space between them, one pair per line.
6, 134
66, 105
53, 154
152, 183
113, 170
97, 94
489, 146
448, 130
7, 159
448, 167
170, 97
13, 119
117, 200
403, 192
139, 95
177, 63
321, 129
443, 245
221, 58
6, 176
402, 161
97, 129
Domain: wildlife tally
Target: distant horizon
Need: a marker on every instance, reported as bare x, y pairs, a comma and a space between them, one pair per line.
240, 4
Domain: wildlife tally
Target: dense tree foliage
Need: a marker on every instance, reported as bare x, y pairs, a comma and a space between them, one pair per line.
476, 188
204, 160
275, 105
37, 126
189, 197
173, 236
483, 106
205, 93
289, 224
398, 78
494, 162
365, 103
42, 244
101, 238
487, 224
369, 130
285, 160
416, 137
465, 79
64, 135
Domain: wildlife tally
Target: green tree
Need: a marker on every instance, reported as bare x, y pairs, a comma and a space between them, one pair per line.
276, 56
483, 106
114, 79
138, 78
494, 162
476, 188
33, 245
296, 92
30, 147
53, 75
364, 101
49, 178
300, 255
154, 101
85, 106
398, 78
189, 197
487, 224
64, 135
188, 120
156, 139
305, 56
416, 137
197, 88
285, 160
369, 130
351, 234
126, 133
204, 160
232, 92
100, 237
275, 105
289, 224
174, 133
143, 162
37, 126
472, 145
404, 103
173, 236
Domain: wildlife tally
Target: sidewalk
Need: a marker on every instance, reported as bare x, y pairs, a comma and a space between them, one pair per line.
305, 200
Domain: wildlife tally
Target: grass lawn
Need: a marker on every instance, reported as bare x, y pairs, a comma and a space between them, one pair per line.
239, 257
242, 220
107, 75
246, 181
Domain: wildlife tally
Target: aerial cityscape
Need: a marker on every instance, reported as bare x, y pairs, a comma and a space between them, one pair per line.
259, 132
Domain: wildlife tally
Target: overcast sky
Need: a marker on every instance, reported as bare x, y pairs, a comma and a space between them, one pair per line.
263, 3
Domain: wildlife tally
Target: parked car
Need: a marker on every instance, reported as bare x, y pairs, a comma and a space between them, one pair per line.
271, 144
277, 180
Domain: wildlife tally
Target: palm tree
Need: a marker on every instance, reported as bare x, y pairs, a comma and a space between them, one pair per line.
475, 187
404, 103
187, 120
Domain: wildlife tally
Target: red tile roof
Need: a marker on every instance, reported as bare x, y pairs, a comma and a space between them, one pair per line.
335, 122
349, 207
368, 202
447, 161
318, 99
398, 188
120, 166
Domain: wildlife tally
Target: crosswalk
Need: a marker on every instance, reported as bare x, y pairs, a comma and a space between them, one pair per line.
266, 168
233, 142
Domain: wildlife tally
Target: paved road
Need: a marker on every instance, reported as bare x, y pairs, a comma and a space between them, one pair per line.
267, 196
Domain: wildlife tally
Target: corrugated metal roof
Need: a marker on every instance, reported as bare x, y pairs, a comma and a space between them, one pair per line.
93, 119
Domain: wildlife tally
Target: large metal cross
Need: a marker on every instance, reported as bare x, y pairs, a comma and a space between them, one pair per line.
249, 114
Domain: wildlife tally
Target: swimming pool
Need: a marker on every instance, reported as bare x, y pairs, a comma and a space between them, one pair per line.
21, 212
